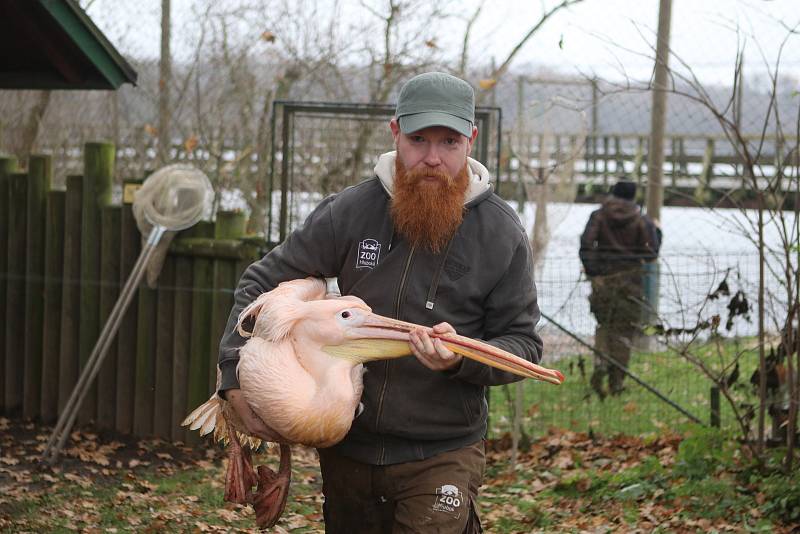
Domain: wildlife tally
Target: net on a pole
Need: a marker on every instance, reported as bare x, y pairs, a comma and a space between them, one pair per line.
174, 197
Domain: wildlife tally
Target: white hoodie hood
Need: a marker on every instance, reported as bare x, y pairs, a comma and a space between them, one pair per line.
479, 177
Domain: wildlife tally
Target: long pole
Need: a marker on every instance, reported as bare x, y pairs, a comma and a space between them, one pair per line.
70, 412
655, 156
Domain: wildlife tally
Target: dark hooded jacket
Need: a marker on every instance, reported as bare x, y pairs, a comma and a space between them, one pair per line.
618, 238
482, 284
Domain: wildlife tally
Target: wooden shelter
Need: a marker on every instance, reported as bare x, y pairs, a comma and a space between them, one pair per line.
53, 44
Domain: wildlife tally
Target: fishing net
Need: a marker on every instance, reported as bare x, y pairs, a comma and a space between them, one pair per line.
174, 197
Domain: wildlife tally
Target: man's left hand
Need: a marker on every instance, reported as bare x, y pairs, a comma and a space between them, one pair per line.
431, 352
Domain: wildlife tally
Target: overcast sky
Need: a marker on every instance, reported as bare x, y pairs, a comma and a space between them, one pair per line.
590, 37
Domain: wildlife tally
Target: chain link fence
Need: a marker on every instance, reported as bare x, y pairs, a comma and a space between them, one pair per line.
565, 139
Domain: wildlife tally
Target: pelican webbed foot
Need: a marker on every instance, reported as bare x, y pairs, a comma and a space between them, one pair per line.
269, 499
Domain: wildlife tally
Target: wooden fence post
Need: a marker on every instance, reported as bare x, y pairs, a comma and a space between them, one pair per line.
98, 161
229, 225
619, 162
8, 165
53, 288
637, 161
40, 172
202, 280
130, 243
143, 407
180, 346
701, 192
71, 291
165, 298
15, 294
109, 293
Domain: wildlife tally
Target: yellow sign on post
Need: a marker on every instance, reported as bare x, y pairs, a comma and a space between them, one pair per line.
128, 192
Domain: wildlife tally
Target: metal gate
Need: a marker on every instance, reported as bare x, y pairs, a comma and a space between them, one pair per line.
323, 147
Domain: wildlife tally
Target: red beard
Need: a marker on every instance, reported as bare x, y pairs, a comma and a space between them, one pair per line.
428, 212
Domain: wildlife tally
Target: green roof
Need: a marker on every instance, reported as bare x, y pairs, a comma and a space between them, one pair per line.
53, 44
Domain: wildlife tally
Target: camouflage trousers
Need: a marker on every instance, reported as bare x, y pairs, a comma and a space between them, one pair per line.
616, 304
435, 495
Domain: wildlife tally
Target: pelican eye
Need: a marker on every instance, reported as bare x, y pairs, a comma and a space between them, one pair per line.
346, 314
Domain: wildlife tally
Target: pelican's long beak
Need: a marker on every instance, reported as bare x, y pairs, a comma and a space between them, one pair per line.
381, 338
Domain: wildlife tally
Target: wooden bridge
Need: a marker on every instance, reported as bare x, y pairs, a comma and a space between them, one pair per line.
698, 170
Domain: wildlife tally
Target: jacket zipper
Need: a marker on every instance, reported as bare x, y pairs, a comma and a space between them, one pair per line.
399, 298
430, 301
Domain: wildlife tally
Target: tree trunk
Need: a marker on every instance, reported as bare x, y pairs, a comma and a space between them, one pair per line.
30, 130
164, 83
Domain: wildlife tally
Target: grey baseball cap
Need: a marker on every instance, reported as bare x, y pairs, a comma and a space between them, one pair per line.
436, 99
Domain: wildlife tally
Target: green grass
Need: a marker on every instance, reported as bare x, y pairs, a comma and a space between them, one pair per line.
637, 411
699, 482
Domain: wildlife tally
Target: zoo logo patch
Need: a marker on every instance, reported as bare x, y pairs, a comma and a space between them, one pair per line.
369, 253
449, 500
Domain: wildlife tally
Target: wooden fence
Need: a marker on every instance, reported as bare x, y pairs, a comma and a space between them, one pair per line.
64, 256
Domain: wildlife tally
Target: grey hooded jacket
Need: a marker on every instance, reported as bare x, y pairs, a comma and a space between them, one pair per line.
482, 285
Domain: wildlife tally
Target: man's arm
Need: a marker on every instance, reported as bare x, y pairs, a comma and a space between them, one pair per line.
308, 251
511, 315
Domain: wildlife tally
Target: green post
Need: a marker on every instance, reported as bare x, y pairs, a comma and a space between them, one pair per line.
15, 296
143, 406
7, 166
40, 173
230, 225
53, 287
165, 298
199, 347
200, 364
130, 243
71, 291
181, 345
98, 163
109, 294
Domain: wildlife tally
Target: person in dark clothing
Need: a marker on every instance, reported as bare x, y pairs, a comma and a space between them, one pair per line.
427, 241
617, 241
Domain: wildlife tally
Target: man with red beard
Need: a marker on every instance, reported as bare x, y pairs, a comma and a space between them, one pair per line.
426, 241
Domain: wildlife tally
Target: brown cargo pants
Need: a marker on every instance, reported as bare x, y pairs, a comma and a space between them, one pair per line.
436, 495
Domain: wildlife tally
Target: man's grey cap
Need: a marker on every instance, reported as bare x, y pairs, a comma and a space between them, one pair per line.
436, 99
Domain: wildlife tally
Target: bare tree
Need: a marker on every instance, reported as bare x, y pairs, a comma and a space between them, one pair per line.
771, 181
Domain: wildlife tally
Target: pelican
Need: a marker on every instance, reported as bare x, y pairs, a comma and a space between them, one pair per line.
301, 373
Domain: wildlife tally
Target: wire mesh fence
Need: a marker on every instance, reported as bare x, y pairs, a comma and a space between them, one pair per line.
565, 138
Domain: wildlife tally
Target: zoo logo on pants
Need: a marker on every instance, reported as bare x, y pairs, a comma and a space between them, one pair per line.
448, 500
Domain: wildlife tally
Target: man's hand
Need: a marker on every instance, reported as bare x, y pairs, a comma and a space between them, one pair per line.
255, 425
431, 352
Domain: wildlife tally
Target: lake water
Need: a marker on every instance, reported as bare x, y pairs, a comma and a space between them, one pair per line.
700, 248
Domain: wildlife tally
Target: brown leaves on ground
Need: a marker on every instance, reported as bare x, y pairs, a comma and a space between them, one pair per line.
552, 489
111, 484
